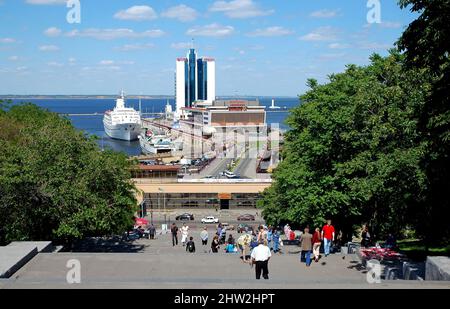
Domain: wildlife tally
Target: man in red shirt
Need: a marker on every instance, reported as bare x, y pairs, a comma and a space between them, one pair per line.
328, 234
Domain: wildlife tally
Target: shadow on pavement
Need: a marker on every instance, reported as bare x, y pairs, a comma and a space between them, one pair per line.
104, 245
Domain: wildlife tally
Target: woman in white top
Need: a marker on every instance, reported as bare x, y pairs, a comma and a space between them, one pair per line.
184, 234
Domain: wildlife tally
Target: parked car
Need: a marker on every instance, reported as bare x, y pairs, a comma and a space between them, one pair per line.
230, 175
228, 226
244, 228
185, 217
246, 217
210, 219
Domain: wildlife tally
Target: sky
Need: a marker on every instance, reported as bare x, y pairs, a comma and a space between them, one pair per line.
261, 47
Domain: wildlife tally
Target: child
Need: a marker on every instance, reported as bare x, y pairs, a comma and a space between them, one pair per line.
190, 245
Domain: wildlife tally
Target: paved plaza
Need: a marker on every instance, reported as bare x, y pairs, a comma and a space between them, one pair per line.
157, 264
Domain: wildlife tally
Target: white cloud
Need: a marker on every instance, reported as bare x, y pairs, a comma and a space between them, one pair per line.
239, 9
55, 64
181, 12
112, 34
46, 2
48, 48
181, 45
135, 47
53, 32
339, 46
212, 30
14, 58
7, 40
106, 62
137, 13
321, 34
271, 32
374, 46
324, 13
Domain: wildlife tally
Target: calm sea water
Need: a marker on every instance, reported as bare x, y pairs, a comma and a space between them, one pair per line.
94, 124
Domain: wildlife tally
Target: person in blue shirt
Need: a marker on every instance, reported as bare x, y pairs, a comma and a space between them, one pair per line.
275, 240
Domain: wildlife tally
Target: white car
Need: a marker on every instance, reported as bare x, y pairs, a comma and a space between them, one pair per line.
210, 219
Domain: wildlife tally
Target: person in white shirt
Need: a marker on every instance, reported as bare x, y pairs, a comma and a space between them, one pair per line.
184, 234
204, 236
260, 257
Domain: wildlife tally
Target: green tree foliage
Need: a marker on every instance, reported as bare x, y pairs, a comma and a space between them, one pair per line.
426, 44
55, 183
353, 151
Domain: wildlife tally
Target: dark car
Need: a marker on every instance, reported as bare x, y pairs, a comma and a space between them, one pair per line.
244, 228
184, 217
246, 217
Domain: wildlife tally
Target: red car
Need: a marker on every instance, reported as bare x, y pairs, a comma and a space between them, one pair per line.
246, 217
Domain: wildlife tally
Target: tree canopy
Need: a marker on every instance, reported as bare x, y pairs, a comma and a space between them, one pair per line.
55, 183
372, 145
353, 151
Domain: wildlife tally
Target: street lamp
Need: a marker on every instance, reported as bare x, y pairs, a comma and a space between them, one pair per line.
164, 197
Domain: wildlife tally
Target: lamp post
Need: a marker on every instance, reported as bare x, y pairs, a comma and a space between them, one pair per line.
164, 204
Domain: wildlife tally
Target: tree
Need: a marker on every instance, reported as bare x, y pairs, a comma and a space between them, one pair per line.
55, 183
426, 46
353, 151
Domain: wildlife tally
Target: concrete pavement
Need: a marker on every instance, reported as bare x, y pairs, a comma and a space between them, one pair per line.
160, 265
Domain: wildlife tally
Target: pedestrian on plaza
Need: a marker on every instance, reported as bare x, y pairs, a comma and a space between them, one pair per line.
184, 234
276, 240
174, 231
215, 244
316, 244
260, 257
262, 235
269, 237
306, 245
244, 245
365, 237
204, 236
190, 245
328, 235
152, 231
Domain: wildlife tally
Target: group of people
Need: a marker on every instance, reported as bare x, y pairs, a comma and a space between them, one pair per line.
256, 248
311, 243
216, 242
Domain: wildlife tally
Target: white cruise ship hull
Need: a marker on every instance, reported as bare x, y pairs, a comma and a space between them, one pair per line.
124, 131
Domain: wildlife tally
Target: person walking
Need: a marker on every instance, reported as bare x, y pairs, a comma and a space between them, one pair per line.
260, 257
244, 245
269, 237
174, 231
276, 240
316, 244
328, 235
184, 234
262, 235
365, 237
152, 231
190, 245
306, 245
215, 244
204, 236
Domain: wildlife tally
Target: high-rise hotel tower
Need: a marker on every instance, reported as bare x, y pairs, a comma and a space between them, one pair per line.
195, 81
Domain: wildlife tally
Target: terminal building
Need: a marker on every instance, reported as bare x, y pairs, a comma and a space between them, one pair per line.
219, 115
161, 189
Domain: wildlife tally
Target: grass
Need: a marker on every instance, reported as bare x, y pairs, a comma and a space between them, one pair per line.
415, 249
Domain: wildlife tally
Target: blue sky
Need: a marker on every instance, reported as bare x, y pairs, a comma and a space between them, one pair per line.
262, 47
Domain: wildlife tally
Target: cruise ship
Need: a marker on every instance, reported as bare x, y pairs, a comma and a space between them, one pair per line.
122, 123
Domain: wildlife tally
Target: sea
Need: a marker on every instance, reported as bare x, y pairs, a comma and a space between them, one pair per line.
93, 124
